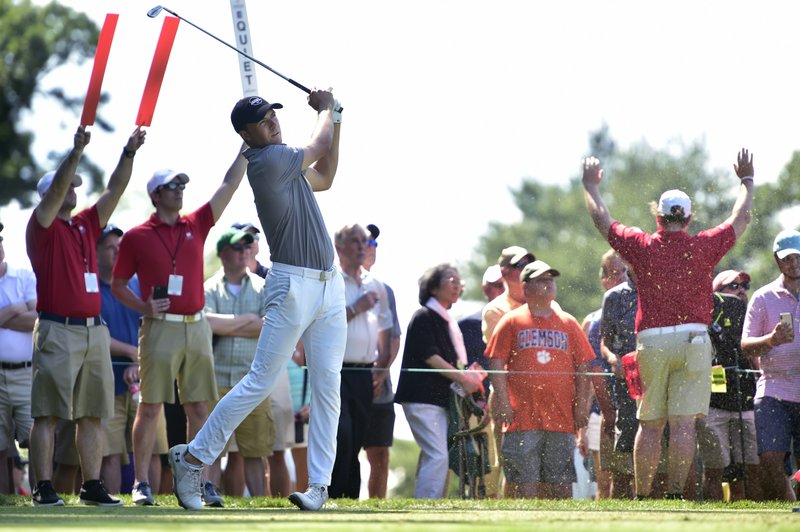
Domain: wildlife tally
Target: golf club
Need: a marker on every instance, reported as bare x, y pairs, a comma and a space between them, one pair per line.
153, 13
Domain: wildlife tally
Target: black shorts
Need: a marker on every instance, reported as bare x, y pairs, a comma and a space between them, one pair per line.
380, 427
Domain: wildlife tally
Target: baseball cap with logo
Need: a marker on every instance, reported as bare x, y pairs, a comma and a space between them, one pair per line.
46, 182
232, 237
673, 202
249, 110
164, 176
787, 243
510, 256
109, 229
536, 269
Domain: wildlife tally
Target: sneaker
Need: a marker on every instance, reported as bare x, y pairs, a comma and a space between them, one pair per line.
186, 483
313, 498
142, 494
210, 496
44, 494
94, 493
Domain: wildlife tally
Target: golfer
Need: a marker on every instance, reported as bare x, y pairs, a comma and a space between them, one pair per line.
305, 295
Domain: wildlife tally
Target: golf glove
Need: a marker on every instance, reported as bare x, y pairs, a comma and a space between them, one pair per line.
337, 115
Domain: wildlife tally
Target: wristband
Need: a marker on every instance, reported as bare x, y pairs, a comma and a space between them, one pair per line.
128, 153
745, 178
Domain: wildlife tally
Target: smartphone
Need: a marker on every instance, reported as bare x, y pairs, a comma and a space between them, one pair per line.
786, 320
160, 292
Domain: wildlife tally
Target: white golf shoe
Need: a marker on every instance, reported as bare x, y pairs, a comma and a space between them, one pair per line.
313, 498
186, 479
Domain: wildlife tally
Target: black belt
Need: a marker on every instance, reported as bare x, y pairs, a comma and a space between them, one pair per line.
86, 322
15, 365
357, 365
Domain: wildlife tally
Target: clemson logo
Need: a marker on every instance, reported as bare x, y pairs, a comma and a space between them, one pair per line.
543, 357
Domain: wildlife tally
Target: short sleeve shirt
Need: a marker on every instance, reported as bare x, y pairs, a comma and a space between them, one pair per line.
542, 355
673, 271
148, 250
61, 255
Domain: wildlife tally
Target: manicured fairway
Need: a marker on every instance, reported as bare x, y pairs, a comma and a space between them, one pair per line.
404, 515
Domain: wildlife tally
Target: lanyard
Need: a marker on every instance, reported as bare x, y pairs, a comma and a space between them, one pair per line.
79, 239
173, 255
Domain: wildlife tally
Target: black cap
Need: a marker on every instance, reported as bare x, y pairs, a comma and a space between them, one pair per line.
109, 229
249, 110
1, 227
373, 231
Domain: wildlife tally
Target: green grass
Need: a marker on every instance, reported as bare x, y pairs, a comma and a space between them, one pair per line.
408, 515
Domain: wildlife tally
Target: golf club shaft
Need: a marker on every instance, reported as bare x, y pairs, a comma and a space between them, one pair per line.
251, 58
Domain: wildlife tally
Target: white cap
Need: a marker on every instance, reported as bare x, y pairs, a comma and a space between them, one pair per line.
492, 274
787, 243
672, 199
46, 182
164, 176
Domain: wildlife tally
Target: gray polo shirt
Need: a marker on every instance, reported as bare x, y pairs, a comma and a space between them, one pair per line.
287, 208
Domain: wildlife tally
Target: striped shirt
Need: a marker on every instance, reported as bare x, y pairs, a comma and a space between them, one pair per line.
233, 355
781, 364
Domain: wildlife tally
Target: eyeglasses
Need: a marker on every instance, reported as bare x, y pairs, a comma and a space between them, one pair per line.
455, 281
521, 264
172, 186
372, 243
735, 286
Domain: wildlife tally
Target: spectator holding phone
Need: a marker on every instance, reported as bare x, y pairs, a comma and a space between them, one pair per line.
771, 333
166, 252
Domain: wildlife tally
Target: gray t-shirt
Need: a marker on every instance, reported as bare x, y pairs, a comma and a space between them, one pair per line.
287, 208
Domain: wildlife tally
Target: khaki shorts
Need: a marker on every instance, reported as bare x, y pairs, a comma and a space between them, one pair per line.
15, 407
170, 350
117, 431
675, 368
72, 376
255, 436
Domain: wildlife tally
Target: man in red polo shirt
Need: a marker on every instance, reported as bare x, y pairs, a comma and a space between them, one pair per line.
674, 271
166, 252
72, 377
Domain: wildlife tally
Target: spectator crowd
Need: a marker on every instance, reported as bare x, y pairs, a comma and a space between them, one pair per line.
683, 384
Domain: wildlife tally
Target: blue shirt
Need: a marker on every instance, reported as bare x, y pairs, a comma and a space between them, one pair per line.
123, 325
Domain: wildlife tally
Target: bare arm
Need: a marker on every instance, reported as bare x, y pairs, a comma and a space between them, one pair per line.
121, 349
583, 396
501, 405
247, 325
757, 346
48, 208
384, 360
233, 177
120, 178
592, 175
23, 318
740, 216
321, 154
469, 380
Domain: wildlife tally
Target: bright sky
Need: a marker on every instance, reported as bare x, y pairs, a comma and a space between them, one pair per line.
448, 103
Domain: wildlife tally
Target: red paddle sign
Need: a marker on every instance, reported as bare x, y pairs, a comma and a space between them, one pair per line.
157, 69
99, 69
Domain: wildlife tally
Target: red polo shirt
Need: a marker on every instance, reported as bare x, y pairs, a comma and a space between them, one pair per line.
673, 271
60, 255
148, 250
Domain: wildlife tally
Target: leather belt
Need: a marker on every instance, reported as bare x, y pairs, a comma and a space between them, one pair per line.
357, 365
15, 365
180, 318
86, 322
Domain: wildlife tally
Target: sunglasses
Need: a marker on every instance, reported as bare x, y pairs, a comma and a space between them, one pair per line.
372, 243
735, 286
172, 186
521, 264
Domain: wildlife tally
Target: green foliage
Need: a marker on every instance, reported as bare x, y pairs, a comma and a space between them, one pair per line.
35, 40
556, 227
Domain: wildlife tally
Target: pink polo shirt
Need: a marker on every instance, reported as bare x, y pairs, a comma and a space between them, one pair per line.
781, 364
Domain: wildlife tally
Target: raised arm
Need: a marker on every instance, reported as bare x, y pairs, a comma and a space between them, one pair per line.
321, 154
233, 177
48, 208
592, 175
120, 177
740, 216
